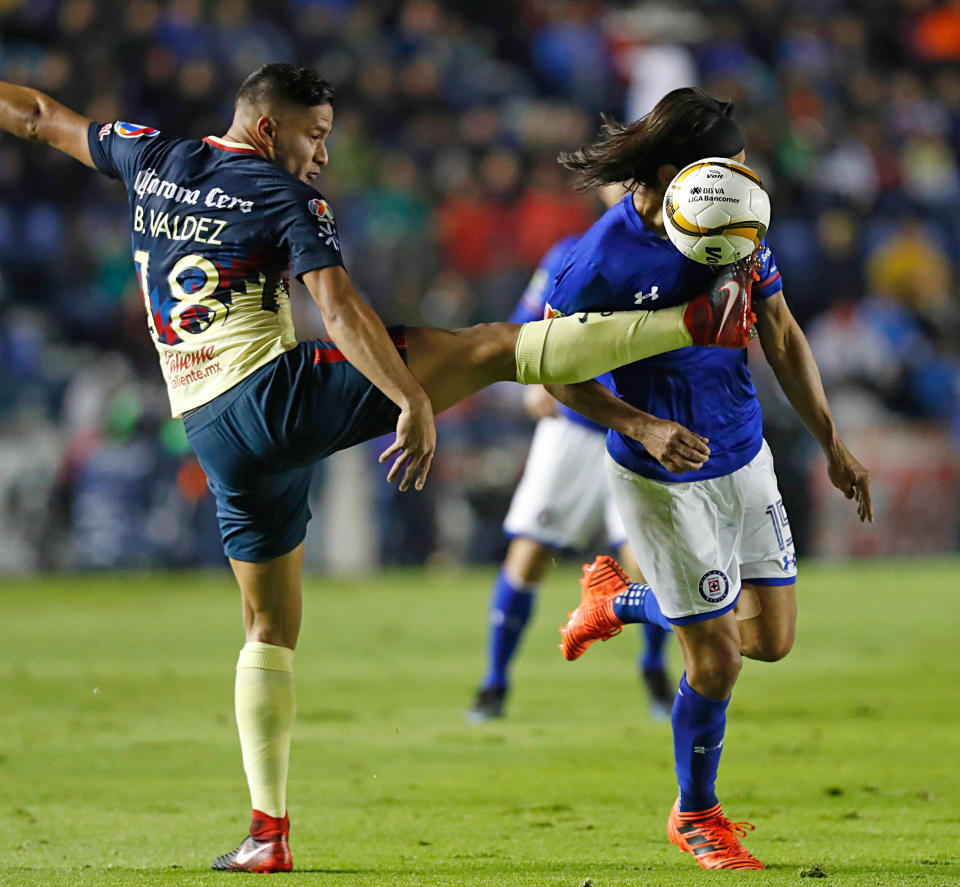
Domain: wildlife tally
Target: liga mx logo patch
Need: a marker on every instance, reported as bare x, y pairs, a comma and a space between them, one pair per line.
133, 130
321, 209
714, 586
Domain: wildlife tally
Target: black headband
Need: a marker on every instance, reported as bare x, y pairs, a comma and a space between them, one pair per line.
723, 139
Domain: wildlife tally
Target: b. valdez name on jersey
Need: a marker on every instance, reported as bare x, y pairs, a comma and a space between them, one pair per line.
216, 229
161, 223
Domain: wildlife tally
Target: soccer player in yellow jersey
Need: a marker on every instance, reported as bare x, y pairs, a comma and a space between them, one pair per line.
218, 224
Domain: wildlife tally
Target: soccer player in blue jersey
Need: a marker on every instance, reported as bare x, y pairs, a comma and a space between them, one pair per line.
217, 226
562, 501
714, 544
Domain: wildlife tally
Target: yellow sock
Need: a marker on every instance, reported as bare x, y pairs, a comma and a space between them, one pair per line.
565, 350
266, 706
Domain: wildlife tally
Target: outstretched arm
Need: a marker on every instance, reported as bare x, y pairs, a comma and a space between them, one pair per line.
675, 447
788, 353
364, 341
36, 117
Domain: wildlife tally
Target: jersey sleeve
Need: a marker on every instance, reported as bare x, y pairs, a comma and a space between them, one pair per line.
117, 147
530, 306
309, 232
769, 282
580, 286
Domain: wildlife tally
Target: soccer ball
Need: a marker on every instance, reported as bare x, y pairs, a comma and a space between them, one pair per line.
716, 211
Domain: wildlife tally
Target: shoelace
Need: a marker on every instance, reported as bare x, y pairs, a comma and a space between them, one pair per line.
720, 831
592, 620
606, 569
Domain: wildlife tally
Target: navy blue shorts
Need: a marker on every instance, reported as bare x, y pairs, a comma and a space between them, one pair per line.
258, 441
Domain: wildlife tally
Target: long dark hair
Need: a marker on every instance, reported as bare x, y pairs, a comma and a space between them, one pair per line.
685, 122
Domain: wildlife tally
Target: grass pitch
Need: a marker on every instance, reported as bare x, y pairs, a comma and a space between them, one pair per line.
119, 762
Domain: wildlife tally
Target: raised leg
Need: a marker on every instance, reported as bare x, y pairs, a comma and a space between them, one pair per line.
453, 364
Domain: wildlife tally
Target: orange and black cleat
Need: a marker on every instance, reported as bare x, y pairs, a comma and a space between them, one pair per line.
594, 619
264, 851
723, 315
713, 839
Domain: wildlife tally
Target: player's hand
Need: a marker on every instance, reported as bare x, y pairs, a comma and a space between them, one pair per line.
675, 447
851, 479
415, 444
538, 402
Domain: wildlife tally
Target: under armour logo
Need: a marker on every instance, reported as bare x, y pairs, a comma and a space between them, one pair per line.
641, 296
789, 561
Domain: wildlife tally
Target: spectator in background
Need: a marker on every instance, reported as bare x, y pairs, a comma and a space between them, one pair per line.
449, 115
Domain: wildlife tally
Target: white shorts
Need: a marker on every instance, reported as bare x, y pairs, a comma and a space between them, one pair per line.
564, 496
696, 542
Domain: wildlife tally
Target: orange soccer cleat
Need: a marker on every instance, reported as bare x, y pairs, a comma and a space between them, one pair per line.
711, 838
723, 315
594, 619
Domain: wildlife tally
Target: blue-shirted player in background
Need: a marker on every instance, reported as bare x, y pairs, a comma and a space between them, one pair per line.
217, 226
714, 544
562, 501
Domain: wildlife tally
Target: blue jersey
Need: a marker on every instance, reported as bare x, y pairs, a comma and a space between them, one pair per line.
216, 228
533, 303
619, 265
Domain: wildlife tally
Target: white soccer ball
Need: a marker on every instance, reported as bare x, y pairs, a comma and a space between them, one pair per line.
716, 211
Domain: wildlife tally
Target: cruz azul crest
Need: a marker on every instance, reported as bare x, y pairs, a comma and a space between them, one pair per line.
714, 586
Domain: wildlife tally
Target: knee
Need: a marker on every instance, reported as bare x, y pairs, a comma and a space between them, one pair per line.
772, 646
714, 671
270, 625
271, 631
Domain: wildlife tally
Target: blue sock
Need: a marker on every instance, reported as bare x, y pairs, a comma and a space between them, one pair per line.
655, 637
698, 727
510, 608
639, 604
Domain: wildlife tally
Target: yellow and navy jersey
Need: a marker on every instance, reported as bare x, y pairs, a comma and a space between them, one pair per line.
216, 229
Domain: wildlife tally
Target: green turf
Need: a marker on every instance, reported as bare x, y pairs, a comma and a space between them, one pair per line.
119, 763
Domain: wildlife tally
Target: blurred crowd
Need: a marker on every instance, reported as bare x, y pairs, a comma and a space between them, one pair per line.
444, 181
